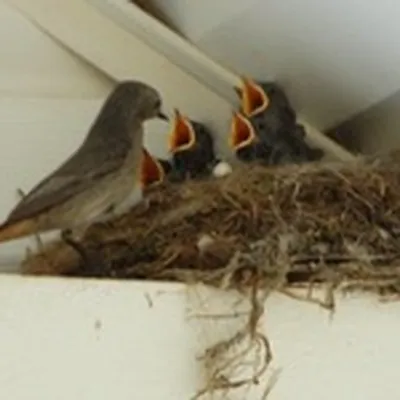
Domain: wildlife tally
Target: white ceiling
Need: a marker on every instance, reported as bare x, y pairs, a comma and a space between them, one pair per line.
335, 58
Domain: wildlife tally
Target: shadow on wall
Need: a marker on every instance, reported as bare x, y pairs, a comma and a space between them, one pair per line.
346, 136
374, 130
149, 7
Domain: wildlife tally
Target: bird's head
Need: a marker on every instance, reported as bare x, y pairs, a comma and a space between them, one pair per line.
182, 135
253, 99
138, 99
242, 134
151, 171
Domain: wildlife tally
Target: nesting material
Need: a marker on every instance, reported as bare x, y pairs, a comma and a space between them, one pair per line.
323, 219
255, 230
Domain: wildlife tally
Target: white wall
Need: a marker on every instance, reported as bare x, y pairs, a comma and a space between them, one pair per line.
33, 65
336, 58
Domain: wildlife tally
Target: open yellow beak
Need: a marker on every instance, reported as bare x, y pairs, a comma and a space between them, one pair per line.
151, 170
253, 98
242, 132
181, 136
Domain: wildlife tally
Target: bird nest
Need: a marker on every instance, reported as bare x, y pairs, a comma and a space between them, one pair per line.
256, 230
318, 219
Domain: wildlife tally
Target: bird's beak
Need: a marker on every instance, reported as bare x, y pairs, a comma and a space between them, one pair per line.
181, 136
253, 98
152, 172
242, 132
162, 116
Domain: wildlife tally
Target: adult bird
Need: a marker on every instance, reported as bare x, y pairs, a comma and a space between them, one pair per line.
98, 181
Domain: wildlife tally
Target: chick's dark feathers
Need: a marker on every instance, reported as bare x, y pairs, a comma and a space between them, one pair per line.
197, 160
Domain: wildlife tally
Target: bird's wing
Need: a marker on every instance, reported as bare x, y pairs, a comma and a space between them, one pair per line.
79, 172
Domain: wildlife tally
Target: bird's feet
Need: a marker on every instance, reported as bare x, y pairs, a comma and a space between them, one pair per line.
90, 266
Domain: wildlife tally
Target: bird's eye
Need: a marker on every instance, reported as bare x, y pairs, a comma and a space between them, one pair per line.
158, 104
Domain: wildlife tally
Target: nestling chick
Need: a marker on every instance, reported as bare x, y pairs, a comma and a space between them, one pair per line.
266, 106
249, 146
269, 110
192, 148
153, 171
266, 100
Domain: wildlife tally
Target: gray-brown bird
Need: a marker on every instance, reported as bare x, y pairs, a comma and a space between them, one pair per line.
101, 179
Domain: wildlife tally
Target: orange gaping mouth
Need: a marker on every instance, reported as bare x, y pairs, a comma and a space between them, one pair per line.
242, 132
151, 170
182, 135
254, 99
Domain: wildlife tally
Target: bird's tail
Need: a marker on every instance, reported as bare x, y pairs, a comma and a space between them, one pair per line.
15, 230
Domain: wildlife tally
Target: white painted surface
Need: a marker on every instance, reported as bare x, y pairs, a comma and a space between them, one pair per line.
74, 339
121, 56
32, 64
336, 58
166, 60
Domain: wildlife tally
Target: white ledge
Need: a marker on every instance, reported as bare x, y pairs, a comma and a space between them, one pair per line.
76, 339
